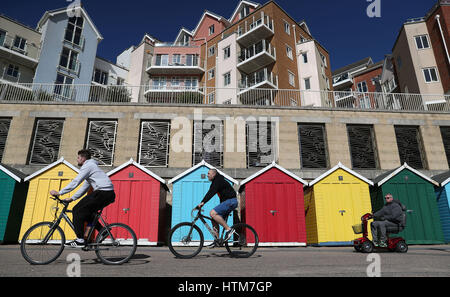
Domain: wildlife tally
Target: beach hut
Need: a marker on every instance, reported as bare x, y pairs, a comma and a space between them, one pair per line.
188, 190
334, 202
140, 202
443, 202
272, 203
416, 191
13, 191
38, 206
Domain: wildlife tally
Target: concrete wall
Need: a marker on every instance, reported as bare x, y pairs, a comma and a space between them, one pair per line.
180, 157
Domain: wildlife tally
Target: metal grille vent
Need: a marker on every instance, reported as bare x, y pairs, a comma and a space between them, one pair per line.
445, 132
46, 142
154, 144
4, 128
313, 152
101, 141
208, 143
409, 146
362, 146
261, 143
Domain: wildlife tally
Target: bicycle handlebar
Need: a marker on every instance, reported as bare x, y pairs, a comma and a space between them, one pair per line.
59, 200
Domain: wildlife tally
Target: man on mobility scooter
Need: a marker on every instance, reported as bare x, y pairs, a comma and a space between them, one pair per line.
389, 219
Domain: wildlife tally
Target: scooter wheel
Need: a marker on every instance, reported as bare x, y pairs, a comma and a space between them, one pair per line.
367, 247
401, 247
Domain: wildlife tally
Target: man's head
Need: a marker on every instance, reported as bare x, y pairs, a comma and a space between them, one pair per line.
211, 174
83, 155
389, 198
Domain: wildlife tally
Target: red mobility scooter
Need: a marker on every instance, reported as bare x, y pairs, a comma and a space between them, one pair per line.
365, 245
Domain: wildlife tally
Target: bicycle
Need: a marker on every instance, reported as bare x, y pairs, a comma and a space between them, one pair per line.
44, 242
186, 239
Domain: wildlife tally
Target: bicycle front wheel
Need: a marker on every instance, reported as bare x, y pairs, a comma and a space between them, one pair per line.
185, 240
42, 244
244, 241
116, 244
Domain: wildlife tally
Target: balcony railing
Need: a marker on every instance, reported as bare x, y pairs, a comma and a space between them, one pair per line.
258, 79
20, 47
187, 95
182, 64
256, 49
257, 28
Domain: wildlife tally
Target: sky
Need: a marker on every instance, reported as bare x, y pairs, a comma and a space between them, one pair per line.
343, 27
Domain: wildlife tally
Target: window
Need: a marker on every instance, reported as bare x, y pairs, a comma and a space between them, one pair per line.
362, 146
69, 59
430, 75
13, 71
445, 132
4, 129
291, 78
244, 12
227, 79
305, 57
211, 98
410, 147
162, 60
63, 86
176, 59
226, 52
211, 73
154, 144
208, 142
46, 141
211, 30
261, 144
100, 77
307, 83
211, 51
313, 147
2, 37
324, 59
422, 42
159, 83
362, 87
20, 43
289, 52
227, 102
73, 30
175, 82
287, 28
191, 83
101, 140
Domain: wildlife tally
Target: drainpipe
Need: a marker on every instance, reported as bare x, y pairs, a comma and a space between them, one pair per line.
443, 37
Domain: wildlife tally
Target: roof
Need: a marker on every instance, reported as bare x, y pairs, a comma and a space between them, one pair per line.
132, 162
365, 61
202, 163
211, 14
267, 168
443, 178
69, 9
340, 166
369, 68
13, 173
60, 161
239, 6
383, 178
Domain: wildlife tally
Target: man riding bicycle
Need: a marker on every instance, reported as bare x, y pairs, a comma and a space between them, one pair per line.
228, 202
102, 195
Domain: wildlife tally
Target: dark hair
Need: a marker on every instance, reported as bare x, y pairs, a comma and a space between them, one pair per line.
85, 154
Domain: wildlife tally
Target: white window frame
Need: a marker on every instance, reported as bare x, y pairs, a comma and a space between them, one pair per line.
227, 79
305, 57
227, 52
211, 51
429, 69
291, 76
420, 38
211, 29
308, 79
360, 86
211, 73
289, 52
14, 70
287, 27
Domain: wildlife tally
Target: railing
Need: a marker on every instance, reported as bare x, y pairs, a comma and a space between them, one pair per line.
198, 94
263, 20
19, 46
255, 49
185, 60
257, 78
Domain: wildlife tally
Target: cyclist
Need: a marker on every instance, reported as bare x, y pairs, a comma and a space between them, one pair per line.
102, 195
228, 202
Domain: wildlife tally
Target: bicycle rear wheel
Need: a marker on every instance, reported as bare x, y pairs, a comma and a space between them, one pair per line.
42, 244
244, 241
116, 244
185, 240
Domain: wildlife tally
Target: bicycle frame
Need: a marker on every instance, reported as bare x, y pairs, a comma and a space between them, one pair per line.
202, 218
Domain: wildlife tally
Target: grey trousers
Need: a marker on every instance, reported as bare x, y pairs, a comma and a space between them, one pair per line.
379, 228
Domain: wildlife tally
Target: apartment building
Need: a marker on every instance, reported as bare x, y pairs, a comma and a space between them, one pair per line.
247, 57
51, 59
421, 56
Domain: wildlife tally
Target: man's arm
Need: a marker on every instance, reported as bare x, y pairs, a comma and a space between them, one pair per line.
84, 188
84, 172
213, 189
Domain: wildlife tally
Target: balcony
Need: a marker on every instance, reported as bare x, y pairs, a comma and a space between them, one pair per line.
156, 92
343, 81
257, 87
256, 56
19, 50
179, 64
258, 29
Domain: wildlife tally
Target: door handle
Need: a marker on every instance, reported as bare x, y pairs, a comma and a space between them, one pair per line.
342, 212
126, 210
273, 212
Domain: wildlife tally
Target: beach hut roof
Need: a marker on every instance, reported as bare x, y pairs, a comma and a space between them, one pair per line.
60, 161
273, 165
340, 166
380, 180
202, 163
13, 173
443, 178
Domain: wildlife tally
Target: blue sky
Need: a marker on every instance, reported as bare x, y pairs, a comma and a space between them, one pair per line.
342, 27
